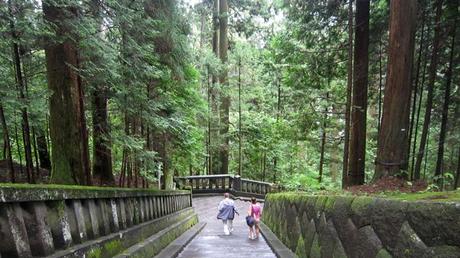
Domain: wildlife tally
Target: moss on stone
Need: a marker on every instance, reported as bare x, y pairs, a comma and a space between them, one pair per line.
112, 248
449, 196
383, 254
361, 204
95, 253
315, 251
300, 250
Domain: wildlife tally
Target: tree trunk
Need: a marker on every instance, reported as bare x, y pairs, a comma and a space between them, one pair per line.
43, 154
102, 149
225, 95
393, 137
346, 145
16, 138
415, 90
214, 138
102, 155
6, 139
21, 90
439, 172
457, 177
357, 160
37, 164
379, 122
323, 143
419, 108
66, 101
210, 115
240, 160
431, 81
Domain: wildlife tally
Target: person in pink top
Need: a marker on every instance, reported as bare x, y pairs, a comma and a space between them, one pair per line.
255, 211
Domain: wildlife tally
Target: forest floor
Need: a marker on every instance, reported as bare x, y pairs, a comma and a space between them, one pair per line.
390, 184
20, 173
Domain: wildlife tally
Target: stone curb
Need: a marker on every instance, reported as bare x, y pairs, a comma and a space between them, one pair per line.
175, 247
275, 244
154, 241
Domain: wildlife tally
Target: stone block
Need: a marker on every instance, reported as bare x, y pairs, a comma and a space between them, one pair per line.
104, 216
58, 222
114, 220
368, 243
94, 216
122, 212
14, 241
435, 223
387, 218
38, 231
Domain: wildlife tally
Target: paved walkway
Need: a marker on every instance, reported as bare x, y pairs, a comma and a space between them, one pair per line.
211, 241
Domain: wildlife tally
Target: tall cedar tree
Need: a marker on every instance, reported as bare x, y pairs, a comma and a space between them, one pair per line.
393, 136
67, 121
102, 150
346, 145
359, 105
225, 95
214, 163
445, 110
21, 89
7, 147
431, 81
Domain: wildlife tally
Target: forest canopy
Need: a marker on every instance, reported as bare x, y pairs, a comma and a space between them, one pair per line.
307, 94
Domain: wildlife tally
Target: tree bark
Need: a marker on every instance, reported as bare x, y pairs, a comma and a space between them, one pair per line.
102, 164
431, 81
66, 101
225, 95
6, 140
346, 145
357, 154
393, 137
439, 172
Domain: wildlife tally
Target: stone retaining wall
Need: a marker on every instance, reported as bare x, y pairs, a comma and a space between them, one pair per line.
339, 226
41, 220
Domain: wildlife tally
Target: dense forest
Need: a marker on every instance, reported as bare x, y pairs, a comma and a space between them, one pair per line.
308, 94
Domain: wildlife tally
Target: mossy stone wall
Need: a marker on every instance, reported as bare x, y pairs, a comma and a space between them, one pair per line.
68, 221
367, 227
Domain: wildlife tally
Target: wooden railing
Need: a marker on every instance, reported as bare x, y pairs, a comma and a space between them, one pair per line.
235, 185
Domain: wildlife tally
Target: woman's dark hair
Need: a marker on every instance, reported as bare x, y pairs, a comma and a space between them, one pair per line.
253, 200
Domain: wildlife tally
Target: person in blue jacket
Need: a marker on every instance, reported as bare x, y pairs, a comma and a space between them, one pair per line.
226, 213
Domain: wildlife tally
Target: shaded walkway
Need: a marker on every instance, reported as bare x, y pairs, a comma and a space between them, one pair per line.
211, 241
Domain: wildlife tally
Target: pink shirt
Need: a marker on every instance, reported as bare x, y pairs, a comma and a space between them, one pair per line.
256, 211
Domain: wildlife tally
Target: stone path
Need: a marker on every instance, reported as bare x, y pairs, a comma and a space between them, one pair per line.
211, 241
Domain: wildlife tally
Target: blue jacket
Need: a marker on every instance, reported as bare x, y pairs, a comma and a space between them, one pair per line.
226, 209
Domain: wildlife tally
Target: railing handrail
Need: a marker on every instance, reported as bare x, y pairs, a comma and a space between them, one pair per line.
205, 176
201, 184
223, 175
258, 182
